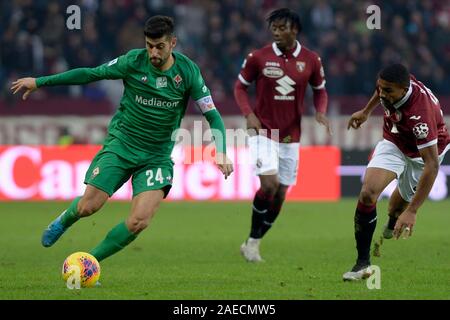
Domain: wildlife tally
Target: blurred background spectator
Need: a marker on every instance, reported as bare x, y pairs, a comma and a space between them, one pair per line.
218, 35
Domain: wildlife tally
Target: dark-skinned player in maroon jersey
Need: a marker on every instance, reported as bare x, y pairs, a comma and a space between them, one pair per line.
282, 71
415, 142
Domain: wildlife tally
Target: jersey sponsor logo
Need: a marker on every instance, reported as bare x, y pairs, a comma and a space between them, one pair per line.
421, 130
113, 62
272, 64
161, 82
177, 79
300, 66
154, 102
273, 72
285, 86
415, 117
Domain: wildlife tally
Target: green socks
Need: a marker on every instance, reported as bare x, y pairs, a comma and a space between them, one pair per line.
118, 238
70, 216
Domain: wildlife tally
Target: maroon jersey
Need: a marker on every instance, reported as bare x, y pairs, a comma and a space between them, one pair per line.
416, 121
281, 81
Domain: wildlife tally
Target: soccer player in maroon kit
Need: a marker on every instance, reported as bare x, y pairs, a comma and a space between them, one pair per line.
415, 142
282, 71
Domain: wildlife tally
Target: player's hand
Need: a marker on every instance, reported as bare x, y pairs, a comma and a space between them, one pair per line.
357, 119
405, 224
253, 124
29, 84
323, 120
224, 164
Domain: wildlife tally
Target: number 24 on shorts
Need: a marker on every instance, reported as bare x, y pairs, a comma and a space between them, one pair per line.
158, 177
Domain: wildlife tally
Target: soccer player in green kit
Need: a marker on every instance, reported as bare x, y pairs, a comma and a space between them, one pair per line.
157, 85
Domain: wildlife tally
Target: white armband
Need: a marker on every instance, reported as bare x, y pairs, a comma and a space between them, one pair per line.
205, 104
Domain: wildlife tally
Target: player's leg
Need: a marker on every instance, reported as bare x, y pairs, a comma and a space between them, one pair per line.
143, 207
396, 206
287, 176
107, 172
375, 181
150, 185
387, 164
262, 202
264, 155
92, 200
274, 209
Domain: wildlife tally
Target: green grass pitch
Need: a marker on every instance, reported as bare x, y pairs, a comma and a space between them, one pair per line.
191, 251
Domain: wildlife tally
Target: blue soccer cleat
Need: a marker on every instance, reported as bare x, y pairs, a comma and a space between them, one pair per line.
53, 232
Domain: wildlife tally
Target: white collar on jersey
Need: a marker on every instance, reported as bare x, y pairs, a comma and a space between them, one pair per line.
399, 103
278, 52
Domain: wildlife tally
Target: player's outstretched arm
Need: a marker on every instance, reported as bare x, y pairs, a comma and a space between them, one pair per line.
407, 219
361, 116
29, 84
218, 130
115, 69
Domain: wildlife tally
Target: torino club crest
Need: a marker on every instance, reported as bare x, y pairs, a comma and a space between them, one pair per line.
300, 66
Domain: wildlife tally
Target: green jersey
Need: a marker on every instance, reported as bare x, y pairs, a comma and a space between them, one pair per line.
154, 101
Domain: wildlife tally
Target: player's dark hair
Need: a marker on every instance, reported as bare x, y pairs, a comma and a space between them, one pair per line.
286, 15
159, 26
395, 73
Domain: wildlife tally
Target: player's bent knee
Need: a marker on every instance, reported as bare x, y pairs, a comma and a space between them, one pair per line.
136, 225
368, 197
270, 187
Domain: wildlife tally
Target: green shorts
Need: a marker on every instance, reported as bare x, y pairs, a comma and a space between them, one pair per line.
116, 162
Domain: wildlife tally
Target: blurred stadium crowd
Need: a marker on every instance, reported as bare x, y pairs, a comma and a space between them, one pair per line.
219, 34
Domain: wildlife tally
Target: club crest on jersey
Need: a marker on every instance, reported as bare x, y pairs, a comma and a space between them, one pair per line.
144, 79
300, 66
95, 172
177, 79
161, 82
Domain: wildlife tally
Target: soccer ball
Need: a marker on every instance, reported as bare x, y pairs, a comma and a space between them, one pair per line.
81, 266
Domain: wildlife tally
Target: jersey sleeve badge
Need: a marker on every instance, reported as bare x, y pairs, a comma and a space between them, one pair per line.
421, 130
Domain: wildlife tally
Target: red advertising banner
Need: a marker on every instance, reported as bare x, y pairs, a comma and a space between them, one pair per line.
57, 173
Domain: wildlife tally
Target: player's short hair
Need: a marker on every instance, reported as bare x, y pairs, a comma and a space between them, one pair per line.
395, 73
286, 15
159, 26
